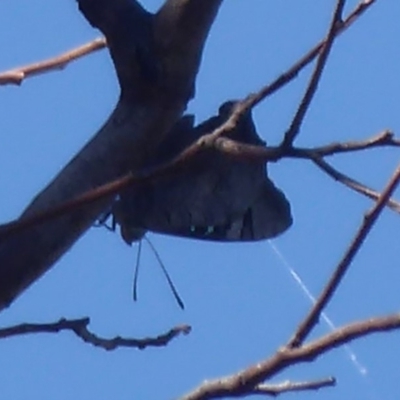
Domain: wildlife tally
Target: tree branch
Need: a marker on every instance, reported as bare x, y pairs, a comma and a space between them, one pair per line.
312, 87
245, 382
80, 328
353, 184
17, 75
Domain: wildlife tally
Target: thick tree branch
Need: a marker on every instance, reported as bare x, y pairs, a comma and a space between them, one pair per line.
127, 139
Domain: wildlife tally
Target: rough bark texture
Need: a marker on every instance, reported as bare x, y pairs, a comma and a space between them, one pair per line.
171, 41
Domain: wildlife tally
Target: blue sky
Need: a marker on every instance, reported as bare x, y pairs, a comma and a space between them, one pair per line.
240, 299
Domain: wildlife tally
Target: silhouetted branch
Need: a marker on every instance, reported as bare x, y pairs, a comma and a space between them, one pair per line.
80, 328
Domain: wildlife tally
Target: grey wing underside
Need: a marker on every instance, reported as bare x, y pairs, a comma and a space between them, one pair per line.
213, 197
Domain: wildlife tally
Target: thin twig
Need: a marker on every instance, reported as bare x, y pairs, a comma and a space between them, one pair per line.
292, 72
80, 328
353, 184
17, 75
384, 138
369, 220
245, 151
312, 87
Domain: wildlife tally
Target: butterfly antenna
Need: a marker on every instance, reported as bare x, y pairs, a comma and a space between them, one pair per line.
166, 274
136, 276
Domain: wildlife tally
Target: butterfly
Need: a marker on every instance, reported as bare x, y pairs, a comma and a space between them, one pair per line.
212, 197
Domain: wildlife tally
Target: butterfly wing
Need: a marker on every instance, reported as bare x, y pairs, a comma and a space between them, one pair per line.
214, 197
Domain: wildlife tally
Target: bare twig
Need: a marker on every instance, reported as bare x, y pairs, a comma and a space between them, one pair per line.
353, 184
275, 153
80, 328
305, 103
384, 138
17, 75
292, 72
369, 220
